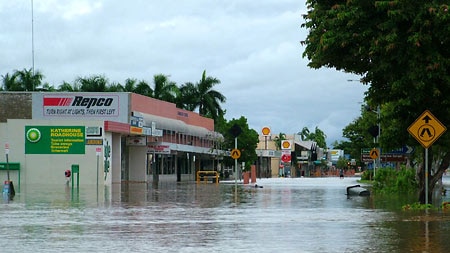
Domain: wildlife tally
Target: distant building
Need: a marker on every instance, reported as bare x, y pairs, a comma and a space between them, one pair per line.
294, 159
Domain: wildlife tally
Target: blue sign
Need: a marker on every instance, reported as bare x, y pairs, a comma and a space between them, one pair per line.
404, 150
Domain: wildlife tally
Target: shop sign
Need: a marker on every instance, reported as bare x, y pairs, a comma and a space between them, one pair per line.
55, 139
100, 105
158, 149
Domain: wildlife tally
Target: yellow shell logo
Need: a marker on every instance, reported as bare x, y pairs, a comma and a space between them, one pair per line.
265, 131
286, 144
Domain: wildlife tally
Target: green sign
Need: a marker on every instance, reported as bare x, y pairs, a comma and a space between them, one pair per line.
54, 140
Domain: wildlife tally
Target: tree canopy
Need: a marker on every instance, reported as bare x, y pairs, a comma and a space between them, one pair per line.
400, 49
318, 136
247, 141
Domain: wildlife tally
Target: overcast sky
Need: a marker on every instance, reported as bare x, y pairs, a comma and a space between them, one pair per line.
252, 47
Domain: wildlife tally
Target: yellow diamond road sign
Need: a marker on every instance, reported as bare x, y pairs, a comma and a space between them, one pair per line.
374, 153
426, 129
235, 153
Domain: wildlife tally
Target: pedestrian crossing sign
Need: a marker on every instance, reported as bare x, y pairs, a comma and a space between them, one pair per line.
426, 129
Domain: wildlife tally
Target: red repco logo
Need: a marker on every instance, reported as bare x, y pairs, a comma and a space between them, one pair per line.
78, 101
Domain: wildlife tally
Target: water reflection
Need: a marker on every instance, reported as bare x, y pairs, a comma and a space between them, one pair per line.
288, 215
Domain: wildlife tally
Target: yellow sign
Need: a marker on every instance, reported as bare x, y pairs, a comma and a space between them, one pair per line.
94, 141
136, 130
374, 153
285, 144
235, 153
426, 129
265, 131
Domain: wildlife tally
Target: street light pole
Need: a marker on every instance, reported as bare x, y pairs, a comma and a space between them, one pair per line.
378, 136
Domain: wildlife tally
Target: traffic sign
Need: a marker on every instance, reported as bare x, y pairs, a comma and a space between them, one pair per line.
235, 130
426, 129
286, 158
374, 153
235, 153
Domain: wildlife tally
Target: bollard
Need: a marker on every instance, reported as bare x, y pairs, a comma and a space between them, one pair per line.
76, 170
8, 190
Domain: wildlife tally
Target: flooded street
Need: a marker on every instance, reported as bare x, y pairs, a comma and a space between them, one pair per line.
286, 215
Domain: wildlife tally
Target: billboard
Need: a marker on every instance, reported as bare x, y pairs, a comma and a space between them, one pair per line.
54, 140
81, 105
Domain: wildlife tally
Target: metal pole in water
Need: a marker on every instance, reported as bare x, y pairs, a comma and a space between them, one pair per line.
235, 171
7, 166
98, 155
426, 177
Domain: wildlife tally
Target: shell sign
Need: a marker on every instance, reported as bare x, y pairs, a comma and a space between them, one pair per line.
286, 144
265, 131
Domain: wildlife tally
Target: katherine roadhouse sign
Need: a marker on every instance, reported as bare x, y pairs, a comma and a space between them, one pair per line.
54, 140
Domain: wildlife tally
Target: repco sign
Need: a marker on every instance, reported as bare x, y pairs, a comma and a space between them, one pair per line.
78, 105
91, 101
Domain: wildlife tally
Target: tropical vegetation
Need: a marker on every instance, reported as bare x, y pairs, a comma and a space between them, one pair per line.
200, 96
190, 96
401, 50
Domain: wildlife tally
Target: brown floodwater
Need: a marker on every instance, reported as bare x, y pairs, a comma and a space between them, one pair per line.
286, 215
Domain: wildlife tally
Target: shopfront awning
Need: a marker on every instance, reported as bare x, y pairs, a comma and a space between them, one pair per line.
175, 125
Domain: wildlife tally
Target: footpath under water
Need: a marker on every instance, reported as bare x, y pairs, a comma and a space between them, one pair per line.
286, 215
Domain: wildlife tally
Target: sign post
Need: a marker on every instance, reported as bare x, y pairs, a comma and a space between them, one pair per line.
374, 154
98, 152
235, 131
7, 162
426, 129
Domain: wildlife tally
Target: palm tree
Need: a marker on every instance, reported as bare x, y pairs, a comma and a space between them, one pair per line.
9, 82
187, 98
22, 80
115, 87
142, 87
304, 134
94, 83
318, 136
46, 87
278, 139
208, 100
164, 89
65, 86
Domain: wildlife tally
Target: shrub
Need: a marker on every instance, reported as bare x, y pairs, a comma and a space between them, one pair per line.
389, 180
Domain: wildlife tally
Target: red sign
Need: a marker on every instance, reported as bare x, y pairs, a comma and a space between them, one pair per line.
286, 158
385, 158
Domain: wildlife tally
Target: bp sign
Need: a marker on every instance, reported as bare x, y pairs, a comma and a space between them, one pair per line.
54, 139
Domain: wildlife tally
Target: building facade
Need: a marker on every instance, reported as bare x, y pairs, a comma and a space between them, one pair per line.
113, 138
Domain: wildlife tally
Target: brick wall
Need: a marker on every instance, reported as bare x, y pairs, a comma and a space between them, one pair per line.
15, 105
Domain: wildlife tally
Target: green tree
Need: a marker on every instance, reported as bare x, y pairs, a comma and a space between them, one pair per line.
247, 141
65, 86
187, 98
357, 132
28, 79
143, 88
133, 85
9, 82
164, 89
401, 49
95, 83
278, 139
208, 100
342, 163
318, 136
23, 80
